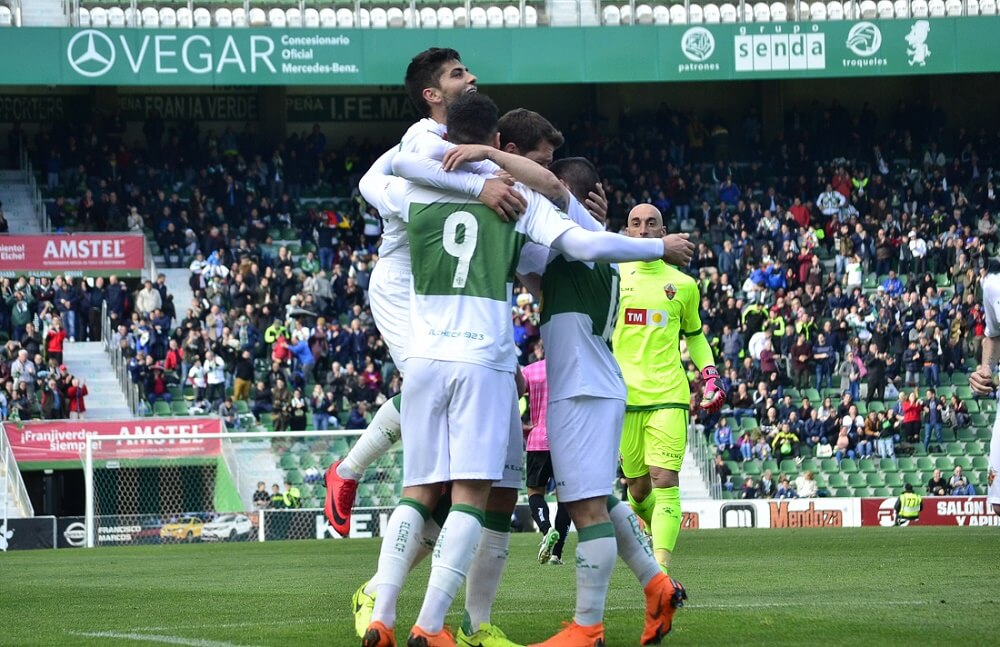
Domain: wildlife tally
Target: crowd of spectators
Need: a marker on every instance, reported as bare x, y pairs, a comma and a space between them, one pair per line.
845, 254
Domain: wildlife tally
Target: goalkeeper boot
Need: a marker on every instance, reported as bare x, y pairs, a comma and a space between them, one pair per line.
420, 638
364, 606
549, 541
574, 635
489, 635
664, 595
340, 493
378, 635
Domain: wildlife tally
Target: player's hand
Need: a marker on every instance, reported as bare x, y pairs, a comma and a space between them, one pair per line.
503, 198
981, 381
597, 203
677, 249
463, 153
713, 395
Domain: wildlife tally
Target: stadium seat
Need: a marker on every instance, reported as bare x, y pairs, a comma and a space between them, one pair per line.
867, 465
843, 493
168, 18
779, 12
894, 479
477, 17
696, 14
789, 466
751, 468
310, 18
257, 17
445, 18
913, 478
611, 15
240, 18
82, 17
856, 480
494, 17
678, 16
530, 16
925, 464
289, 461
810, 465
411, 18
906, 464
179, 408
803, 11
964, 462
185, 19
626, 13
712, 14
727, 11
428, 18
770, 464
643, 14
882, 492
936, 9
202, 17
848, 466
875, 480
919, 9
834, 10
343, 18
511, 17
161, 408
902, 8
276, 18
980, 463
116, 17
99, 17
293, 17
223, 17
944, 463
869, 11
294, 477
972, 7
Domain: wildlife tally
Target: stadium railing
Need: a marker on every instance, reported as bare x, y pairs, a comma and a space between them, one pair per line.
36, 195
12, 482
703, 457
119, 363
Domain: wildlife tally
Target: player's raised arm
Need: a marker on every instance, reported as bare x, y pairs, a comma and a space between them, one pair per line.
522, 169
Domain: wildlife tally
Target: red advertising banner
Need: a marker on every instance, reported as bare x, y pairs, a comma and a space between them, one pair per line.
64, 440
938, 511
76, 255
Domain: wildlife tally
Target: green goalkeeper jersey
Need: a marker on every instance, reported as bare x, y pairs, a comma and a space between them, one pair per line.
658, 303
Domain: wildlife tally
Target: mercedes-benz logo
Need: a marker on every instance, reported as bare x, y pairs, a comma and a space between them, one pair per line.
91, 53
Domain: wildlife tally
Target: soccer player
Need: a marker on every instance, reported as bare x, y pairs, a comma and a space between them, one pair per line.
538, 468
982, 379
658, 305
461, 339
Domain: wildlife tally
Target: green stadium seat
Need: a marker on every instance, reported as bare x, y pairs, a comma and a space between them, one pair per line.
964, 392
925, 463
813, 396
966, 435
830, 465
319, 490
987, 406
973, 406
339, 447
820, 482
294, 477
944, 463
306, 491
876, 406
793, 394
980, 463
789, 466
837, 480
810, 465
734, 467
179, 408
984, 433
848, 466
856, 480
964, 462
906, 464
289, 461
161, 408
843, 493
896, 491
913, 478
867, 465
881, 491
327, 461
770, 464
751, 468
918, 450
748, 423
894, 479
946, 391
862, 408
307, 461
863, 492
875, 480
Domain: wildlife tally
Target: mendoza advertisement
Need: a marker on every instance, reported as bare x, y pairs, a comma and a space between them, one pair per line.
771, 513
628, 53
76, 255
63, 440
938, 511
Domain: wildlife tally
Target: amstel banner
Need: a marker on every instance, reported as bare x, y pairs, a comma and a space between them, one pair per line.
64, 440
77, 255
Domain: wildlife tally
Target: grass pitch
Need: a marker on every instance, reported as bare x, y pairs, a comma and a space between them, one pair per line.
878, 586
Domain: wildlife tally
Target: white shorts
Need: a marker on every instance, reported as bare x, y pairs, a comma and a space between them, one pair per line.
389, 298
513, 467
457, 422
993, 493
584, 437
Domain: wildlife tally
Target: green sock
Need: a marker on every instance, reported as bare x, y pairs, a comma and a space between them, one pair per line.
666, 523
643, 509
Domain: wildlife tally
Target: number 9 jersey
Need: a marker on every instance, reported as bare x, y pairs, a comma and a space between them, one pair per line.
463, 258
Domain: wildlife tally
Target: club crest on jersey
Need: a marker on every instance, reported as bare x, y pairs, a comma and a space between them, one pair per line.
670, 290
642, 317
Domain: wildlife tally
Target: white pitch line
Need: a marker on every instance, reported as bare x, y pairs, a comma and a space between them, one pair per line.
153, 638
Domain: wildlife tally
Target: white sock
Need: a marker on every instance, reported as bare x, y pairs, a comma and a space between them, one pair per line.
632, 545
401, 541
484, 577
596, 553
377, 439
424, 548
454, 553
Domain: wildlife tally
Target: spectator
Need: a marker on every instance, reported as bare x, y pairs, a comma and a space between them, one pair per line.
358, 416
805, 485
277, 498
932, 419
749, 490
960, 485
54, 340
293, 497
76, 394
786, 491
261, 499
766, 487
243, 376
156, 388
912, 411
723, 473
228, 414
938, 486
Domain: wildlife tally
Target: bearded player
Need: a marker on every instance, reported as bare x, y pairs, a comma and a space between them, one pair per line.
658, 305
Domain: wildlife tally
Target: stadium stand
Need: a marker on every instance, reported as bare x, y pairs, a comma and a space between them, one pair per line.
891, 253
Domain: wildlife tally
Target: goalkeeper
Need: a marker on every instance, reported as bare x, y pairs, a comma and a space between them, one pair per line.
658, 303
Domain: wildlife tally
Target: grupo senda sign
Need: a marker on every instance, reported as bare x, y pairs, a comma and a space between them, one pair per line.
174, 57
77, 255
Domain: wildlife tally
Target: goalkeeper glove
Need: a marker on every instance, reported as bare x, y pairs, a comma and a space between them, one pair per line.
713, 395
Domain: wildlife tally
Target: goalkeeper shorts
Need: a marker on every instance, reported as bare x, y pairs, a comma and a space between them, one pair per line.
654, 438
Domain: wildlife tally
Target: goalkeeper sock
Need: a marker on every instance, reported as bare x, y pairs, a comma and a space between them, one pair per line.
378, 438
643, 509
666, 523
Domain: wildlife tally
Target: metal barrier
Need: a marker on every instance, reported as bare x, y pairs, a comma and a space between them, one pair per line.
12, 477
702, 454
36, 194
119, 364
